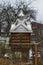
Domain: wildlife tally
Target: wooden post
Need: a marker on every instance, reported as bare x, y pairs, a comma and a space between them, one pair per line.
36, 57
0, 28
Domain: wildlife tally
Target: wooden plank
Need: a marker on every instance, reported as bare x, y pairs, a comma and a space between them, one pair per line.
18, 41
27, 37
21, 40
20, 34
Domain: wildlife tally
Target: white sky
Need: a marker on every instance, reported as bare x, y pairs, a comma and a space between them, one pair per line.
38, 4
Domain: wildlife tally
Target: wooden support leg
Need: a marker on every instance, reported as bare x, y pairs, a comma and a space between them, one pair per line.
36, 49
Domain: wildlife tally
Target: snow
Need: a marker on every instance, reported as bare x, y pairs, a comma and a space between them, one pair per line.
21, 26
2, 30
6, 55
21, 13
12, 26
30, 53
29, 27
2, 38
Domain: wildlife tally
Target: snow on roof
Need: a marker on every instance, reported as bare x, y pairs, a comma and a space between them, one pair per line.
21, 13
21, 28
29, 27
22, 25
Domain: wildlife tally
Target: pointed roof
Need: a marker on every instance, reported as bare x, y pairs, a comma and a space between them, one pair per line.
21, 28
21, 14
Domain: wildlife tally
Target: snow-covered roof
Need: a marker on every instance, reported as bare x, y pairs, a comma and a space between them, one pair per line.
21, 27
21, 14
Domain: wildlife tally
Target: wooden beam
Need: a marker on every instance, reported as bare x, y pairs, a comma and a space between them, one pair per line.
36, 58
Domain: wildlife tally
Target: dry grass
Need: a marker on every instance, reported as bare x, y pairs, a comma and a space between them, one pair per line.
5, 61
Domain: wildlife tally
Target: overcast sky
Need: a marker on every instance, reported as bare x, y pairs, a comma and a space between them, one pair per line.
38, 5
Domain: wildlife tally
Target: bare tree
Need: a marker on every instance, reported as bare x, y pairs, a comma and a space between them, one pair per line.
26, 9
